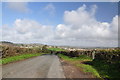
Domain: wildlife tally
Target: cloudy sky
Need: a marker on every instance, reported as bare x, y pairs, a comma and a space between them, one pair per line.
91, 24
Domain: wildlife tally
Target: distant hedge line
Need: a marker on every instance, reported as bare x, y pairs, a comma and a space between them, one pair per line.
8, 51
112, 55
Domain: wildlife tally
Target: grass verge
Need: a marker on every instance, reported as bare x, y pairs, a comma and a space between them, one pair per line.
107, 70
18, 57
77, 61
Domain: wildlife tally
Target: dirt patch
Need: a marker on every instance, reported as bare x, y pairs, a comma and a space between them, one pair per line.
72, 71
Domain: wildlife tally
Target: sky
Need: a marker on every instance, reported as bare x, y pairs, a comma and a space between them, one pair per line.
92, 24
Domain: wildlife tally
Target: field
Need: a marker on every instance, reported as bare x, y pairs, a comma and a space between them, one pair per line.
55, 49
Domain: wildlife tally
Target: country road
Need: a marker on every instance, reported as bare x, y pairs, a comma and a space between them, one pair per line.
46, 66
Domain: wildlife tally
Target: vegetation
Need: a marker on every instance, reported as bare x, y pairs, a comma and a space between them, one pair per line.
106, 63
44, 49
78, 62
9, 51
56, 49
106, 69
110, 56
15, 53
18, 57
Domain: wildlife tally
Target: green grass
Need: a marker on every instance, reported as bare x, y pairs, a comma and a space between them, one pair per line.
56, 49
89, 68
77, 61
107, 70
80, 58
100, 69
18, 57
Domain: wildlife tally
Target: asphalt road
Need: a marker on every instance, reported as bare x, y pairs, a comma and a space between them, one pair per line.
46, 66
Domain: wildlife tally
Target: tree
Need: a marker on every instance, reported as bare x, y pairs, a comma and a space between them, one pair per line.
44, 48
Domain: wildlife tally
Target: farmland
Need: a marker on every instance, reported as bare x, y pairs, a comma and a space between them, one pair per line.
101, 63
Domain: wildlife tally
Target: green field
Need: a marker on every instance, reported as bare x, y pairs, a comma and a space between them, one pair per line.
18, 57
56, 49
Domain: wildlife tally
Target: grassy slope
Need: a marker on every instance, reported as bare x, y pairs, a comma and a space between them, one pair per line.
78, 62
107, 70
18, 57
55, 49
100, 69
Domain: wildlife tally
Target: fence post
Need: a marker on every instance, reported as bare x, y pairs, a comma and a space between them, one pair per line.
93, 55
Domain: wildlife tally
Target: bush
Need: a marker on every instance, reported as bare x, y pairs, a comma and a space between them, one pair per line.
8, 51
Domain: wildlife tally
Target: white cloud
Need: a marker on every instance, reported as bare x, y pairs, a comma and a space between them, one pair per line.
26, 31
81, 25
50, 8
18, 6
80, 29
93, 9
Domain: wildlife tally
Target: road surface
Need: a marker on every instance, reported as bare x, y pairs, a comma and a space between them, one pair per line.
46, 66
